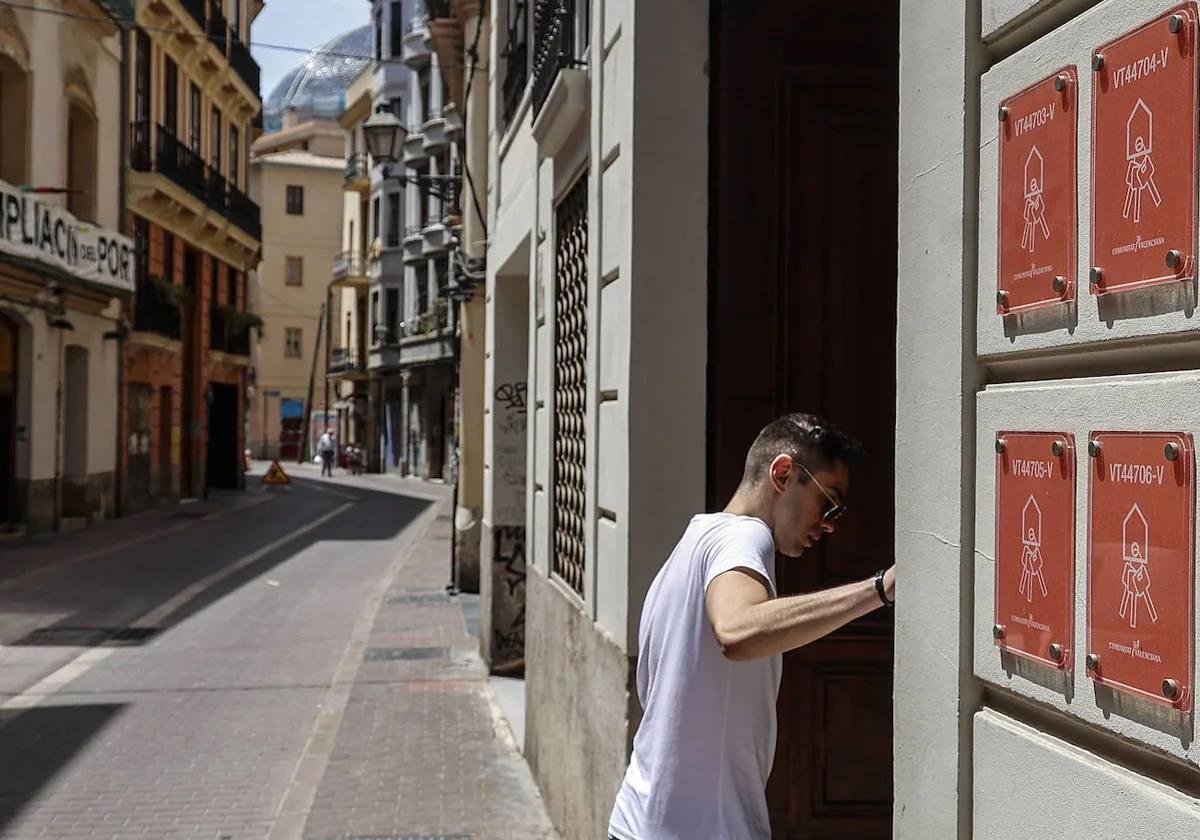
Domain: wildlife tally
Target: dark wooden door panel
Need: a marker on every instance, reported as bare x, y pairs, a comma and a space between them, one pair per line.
802, 318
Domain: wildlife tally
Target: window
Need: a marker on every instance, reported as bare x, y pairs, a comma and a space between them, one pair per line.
141, 248
393, 220
168, 259
141, 95
214, 139
194, 118
170, 96
235, 16
398, 108
295, 200
292, 339
295, 271
234, 158
378, 37
397, 28
375, 317
231, 280
81, 161
374, 219
393, 313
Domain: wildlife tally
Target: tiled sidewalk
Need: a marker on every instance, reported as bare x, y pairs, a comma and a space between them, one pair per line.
422, 750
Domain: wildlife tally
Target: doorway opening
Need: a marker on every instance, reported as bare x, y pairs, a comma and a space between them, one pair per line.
75, 431
8, 421
223, 458
803, 163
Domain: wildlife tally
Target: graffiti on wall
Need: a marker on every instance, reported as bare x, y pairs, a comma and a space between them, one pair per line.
508, 570
508, 458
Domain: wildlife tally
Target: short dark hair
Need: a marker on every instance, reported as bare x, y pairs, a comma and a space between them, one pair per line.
815, 443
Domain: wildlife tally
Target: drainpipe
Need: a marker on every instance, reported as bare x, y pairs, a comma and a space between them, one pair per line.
122, 228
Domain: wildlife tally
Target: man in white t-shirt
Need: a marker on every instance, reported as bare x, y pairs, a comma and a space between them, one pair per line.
712, 636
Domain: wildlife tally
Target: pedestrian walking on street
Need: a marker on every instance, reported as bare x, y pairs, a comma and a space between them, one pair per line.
713, 632
328, 447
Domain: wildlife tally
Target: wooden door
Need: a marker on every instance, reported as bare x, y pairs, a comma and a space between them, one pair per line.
802, 318
139, 458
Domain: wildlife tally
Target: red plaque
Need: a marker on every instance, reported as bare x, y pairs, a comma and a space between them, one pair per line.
1140, 558
1035, 545
1037, 195
1144, 155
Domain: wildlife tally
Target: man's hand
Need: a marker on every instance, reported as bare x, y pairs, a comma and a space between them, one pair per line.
889, 583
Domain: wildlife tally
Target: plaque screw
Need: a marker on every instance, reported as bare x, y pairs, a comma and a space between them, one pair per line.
1001, 445
1060, 283
1094, 448
1003, 114
1057, 448
1002, 299
997, 631
1093, 662
1098, 62
1170, 689
1060, 82
1056, 652
1175, 24
1097, 276
1174, 258
1171, 450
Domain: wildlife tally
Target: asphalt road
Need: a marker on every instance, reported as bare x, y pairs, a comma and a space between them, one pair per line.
258, 666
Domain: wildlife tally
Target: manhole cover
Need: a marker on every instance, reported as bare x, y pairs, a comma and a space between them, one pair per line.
87, 636
405, 654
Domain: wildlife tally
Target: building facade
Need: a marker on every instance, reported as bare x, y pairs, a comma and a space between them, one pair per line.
354, 391
194, 89
414, 215
66, 272
297, 174
790, 162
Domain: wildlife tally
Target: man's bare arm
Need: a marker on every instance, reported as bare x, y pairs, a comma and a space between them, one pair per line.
749, 624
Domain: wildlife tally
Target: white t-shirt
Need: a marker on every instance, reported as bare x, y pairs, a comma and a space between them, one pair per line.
703, 752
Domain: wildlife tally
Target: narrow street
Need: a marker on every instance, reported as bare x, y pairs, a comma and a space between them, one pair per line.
260, 666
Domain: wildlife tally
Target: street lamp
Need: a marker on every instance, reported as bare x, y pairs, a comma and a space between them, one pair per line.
385, 136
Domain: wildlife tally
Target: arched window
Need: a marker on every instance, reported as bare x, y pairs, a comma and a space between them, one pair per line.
81, 160
14, 117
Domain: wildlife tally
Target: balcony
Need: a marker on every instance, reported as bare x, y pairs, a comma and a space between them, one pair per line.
154, 149
415, 155
434, 132
155, 314
171, 185
244, 65
349, 269
422, 340
413, 243
245, 213
229, 330
358, 173
435, 240
347, 361
516, 63
414, 51
454, 123
554, 45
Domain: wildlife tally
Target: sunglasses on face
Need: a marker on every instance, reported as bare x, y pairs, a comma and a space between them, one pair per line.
835, 511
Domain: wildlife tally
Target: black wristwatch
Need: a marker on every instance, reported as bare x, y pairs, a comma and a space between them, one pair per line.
882, 592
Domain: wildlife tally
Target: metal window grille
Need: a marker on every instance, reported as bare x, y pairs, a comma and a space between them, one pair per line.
570, 384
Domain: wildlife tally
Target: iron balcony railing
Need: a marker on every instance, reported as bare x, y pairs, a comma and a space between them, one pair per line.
195, 8
516, 60
347, 360
152, 314
244, 64
224, 339
553, 45
357, 167
218, 27
244, 212
155, 149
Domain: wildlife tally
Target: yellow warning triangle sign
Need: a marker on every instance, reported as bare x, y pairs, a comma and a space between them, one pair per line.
275, 475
